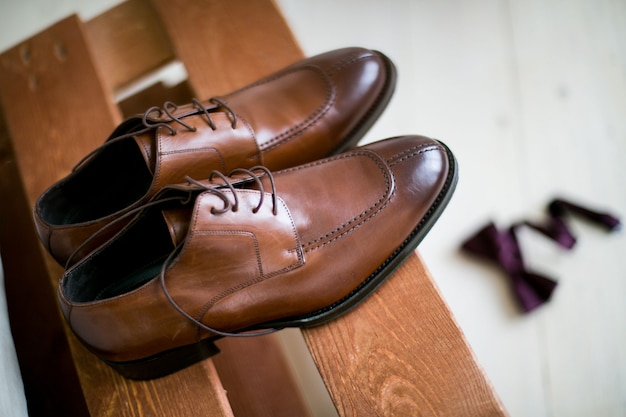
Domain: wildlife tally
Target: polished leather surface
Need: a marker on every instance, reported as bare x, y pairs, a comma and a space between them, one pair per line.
334, 232
312, 109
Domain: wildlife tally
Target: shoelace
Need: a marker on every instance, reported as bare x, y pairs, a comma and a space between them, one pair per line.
502, 247
151, 120
228, 205
185, 199
170, 107
215, 189
182, 199
234, 206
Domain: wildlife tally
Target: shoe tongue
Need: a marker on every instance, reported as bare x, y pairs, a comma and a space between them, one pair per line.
177, 221
145, 142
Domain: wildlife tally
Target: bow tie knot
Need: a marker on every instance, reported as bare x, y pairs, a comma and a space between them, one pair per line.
502, 247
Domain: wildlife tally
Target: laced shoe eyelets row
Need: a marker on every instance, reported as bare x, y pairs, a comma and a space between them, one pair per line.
227, 182
169, 108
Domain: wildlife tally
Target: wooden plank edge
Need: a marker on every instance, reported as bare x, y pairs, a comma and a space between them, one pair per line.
401, 353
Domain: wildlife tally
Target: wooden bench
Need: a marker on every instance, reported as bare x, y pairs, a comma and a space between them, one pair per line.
400, 353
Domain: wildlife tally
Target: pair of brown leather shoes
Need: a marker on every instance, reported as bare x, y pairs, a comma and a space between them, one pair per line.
220, 217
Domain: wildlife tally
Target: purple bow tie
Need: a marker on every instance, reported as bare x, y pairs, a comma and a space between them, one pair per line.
502, 246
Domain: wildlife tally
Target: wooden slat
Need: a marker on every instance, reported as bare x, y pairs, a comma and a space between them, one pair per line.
155, 95
385, 357
463, 387
227, 44
36, 326
57, 109
257, 378
54, 103
194, 391
219, 56
130, 41
401, 353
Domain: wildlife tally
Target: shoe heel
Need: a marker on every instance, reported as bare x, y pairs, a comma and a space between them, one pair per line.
165, 363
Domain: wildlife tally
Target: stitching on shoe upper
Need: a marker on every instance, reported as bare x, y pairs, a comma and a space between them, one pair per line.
365, 215
355, 57
252, 133
445, 191
160, 152
310, 121
411, 152
262, 276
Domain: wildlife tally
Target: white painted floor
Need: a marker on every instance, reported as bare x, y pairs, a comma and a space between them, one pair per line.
531, 97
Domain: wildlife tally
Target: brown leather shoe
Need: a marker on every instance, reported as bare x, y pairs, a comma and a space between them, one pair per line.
312, 109
254, 251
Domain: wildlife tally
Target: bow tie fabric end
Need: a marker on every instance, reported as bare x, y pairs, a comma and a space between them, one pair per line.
502, 247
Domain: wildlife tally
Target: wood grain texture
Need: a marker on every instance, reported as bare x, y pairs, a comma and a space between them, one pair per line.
130, 41
372, 370
219, 56
228, 44
44, 82
521, 81
48, 84
194, 391
36, 325
257, 378
400, 353
57, 109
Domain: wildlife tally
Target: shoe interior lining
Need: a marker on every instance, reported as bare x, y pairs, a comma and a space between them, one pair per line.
112, 180
135, 258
